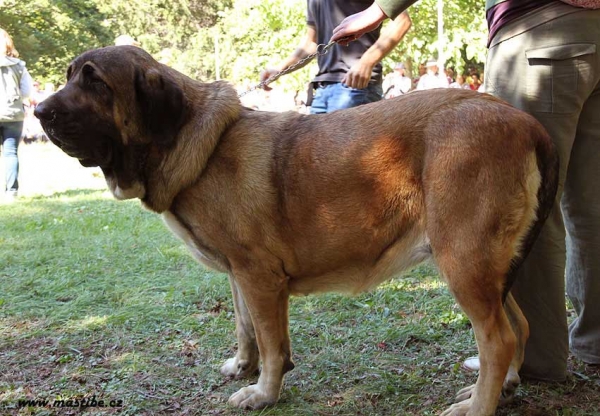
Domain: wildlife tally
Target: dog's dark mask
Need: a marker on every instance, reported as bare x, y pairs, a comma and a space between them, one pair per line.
77, 118
110, 103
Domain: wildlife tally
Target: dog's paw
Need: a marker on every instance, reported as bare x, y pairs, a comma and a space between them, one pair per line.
237, 368
252, 398
464, 394
509, 389
507, 395
458, 409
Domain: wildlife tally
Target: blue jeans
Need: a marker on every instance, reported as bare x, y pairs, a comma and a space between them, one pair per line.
337, 96
10, 135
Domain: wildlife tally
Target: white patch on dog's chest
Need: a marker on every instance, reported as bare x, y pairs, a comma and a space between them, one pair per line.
137, 190
187, 237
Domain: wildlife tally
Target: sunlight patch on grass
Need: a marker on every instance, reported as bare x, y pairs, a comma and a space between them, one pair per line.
126, 358
11, 328
410, 284
88, 323
12, 393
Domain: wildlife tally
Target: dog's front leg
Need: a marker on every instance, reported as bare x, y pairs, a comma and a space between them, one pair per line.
245, 362
267, 298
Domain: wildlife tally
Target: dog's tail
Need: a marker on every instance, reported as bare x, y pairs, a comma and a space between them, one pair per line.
548, 165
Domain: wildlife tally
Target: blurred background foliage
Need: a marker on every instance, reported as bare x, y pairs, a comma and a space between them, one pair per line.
225, 39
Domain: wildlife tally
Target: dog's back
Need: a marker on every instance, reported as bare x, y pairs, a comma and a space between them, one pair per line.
373, 185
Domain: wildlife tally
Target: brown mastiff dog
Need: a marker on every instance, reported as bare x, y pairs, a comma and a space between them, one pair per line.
292, 204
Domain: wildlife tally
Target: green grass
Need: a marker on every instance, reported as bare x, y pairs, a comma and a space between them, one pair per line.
97, 298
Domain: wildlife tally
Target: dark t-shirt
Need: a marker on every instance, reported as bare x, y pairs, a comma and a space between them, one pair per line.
324, 16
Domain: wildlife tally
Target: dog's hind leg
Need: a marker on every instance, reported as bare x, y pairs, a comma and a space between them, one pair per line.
478, 287
521, 329
245, 362
512, 381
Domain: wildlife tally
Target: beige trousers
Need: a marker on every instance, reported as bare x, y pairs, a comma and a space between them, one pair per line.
552, 71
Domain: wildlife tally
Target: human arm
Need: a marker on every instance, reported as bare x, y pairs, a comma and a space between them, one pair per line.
356, 25
304, 49
26, 84
360, 74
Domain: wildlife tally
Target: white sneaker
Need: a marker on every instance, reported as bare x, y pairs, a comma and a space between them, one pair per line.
9, 197
471, 364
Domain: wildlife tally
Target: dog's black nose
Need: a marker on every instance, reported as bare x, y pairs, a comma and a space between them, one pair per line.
43, 112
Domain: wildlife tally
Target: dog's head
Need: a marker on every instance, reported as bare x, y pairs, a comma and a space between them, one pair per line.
118, 105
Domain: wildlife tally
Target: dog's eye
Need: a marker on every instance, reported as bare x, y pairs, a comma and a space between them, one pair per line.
88, 70
91, 77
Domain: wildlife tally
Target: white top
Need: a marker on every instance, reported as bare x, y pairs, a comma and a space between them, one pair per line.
429, 81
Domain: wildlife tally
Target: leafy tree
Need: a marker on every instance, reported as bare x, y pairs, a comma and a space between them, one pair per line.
49, 33
465, 33
210, 39
160, 24
258, 33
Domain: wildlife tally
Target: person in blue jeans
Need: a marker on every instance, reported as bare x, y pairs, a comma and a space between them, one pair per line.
15, 86
347, 76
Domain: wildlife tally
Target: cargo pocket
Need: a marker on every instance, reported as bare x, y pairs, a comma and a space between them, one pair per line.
554, 74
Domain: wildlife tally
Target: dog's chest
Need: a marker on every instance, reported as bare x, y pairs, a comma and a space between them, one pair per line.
201, 254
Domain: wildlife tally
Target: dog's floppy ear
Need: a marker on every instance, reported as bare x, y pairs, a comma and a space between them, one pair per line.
162, 106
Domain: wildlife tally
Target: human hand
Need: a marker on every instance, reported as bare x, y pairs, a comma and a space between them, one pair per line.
358, 76
356, 25
265, 75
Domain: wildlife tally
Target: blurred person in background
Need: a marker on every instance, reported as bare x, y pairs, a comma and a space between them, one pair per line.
460, 83
398, 83
432, 78
122, 40
475, 82
15, 87
347, 76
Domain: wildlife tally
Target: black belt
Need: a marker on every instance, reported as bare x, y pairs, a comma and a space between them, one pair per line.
323, 84
313, 86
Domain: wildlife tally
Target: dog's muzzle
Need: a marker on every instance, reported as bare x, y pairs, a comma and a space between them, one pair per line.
97, 152
44, 113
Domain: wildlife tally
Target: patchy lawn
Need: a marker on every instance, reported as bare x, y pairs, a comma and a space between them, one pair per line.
99, 302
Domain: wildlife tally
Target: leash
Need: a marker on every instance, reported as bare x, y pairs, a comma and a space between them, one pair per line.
322, 49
